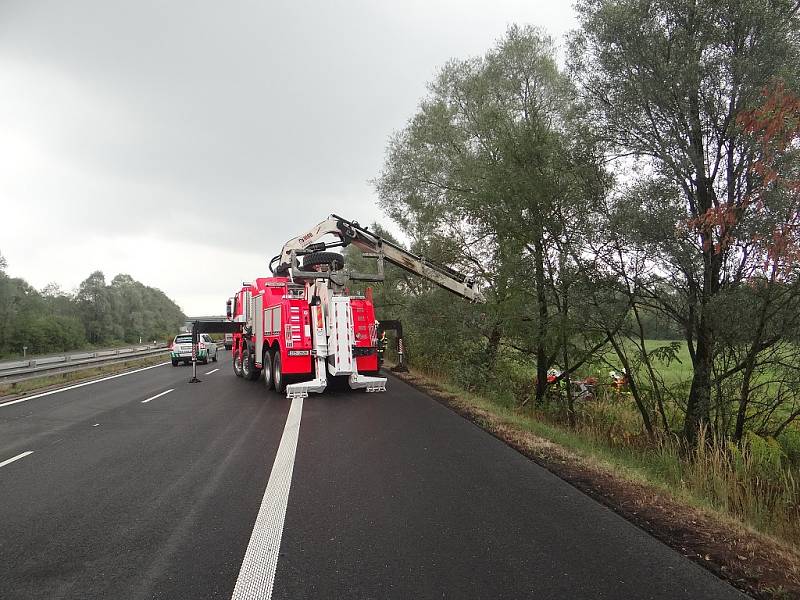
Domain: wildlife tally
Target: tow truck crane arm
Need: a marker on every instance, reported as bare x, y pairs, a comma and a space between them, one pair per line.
375, 246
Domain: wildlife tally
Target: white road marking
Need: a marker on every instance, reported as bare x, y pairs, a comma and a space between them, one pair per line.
96, 424
72, 387
212, 371
158, 396
17, 457
257, 575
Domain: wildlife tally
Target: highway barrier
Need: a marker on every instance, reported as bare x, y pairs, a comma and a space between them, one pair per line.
20, 370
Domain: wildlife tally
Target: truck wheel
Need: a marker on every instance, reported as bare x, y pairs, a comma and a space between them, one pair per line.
249, 370
277, 374
269, 380
247, 362
333, 259
237, 364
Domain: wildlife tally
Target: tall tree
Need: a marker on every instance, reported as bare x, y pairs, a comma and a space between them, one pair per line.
488, 176
95, 306
666, 81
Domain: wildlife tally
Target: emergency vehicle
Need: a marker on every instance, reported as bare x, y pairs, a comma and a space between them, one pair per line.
301, 325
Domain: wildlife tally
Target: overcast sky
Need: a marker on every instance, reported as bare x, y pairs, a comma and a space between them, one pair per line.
184, 142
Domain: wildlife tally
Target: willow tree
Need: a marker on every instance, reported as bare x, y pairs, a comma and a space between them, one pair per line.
666, 81
489, 175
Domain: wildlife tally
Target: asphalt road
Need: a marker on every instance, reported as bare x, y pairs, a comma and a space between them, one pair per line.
392, 496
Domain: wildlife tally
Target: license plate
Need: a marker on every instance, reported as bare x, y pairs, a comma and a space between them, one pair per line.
299, 352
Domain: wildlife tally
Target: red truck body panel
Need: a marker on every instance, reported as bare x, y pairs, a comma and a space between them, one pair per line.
365, 333
286, 326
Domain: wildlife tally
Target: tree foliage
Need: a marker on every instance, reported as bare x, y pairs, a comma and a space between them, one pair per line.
51, 320
492, 176
649, 192
665, 82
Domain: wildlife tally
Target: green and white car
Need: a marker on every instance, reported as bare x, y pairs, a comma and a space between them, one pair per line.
182, 349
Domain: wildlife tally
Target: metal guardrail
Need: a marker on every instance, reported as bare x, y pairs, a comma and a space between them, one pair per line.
20, 370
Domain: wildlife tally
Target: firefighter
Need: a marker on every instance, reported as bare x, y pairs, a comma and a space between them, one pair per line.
619, 381
381, 342
553, 379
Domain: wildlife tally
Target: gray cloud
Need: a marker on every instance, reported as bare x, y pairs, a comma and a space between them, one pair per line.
245, 121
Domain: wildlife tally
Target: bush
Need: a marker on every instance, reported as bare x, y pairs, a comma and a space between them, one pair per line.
789, 441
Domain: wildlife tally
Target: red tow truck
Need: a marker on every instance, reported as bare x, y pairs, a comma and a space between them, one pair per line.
289, 323
302, 325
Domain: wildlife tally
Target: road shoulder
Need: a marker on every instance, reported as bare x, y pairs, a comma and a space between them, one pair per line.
752, 562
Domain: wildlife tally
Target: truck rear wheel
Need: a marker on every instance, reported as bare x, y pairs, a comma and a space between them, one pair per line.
249, 370
237, 364
277, 374
269, 380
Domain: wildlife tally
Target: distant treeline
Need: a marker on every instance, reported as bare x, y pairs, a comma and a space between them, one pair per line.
98, 313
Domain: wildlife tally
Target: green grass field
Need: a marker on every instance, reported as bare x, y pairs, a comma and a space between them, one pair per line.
677, 370
674, 371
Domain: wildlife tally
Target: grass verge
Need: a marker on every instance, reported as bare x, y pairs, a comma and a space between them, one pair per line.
759, 564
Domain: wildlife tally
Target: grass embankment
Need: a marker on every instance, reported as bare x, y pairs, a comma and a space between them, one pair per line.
736, 510
58, 379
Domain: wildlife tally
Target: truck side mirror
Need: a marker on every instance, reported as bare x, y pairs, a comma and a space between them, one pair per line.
228, 310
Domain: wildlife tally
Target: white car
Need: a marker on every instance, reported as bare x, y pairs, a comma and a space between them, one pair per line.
182, 349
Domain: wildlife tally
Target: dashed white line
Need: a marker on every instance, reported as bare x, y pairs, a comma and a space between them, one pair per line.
212, 371
257, 575
157, 396
72, 387
17, 457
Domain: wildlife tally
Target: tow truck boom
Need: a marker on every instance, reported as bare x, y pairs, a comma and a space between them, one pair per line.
373, 246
